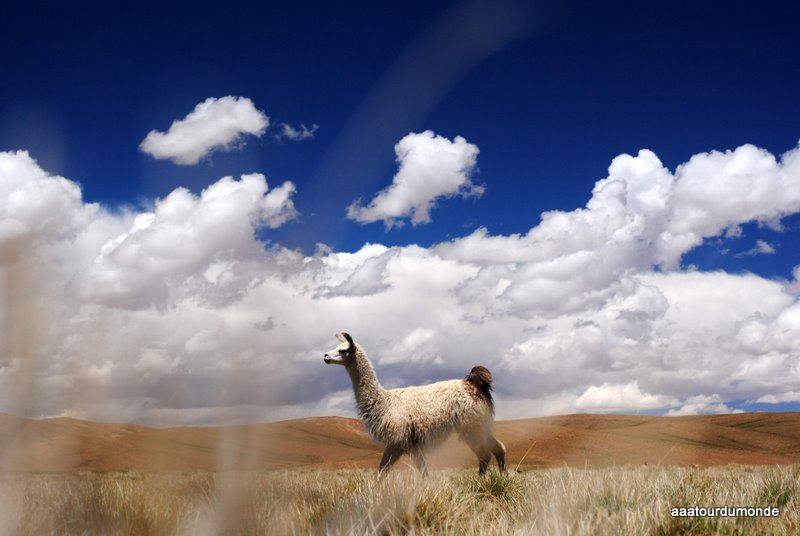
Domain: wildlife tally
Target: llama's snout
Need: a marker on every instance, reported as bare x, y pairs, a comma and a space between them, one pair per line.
332, 358
337, 356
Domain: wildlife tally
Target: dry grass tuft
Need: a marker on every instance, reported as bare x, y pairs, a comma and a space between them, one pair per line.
622, 500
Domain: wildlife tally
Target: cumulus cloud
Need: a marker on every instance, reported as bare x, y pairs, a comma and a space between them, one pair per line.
196, 244
367, 277
288, 132
718, 190
617, 397
214, 124
788, 396
37, 208
702, 405
431, 167
638, 217
178, 313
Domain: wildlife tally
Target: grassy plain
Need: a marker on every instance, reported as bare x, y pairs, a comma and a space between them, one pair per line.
554, 501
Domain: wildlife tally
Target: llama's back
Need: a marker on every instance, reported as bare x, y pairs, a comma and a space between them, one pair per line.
427, 414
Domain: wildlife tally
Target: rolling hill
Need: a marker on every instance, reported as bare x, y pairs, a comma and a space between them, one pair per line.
64, 444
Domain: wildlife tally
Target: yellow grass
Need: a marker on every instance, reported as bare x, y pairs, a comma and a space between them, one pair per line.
622, 500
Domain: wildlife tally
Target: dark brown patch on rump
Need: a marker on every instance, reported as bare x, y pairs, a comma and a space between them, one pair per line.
479, 382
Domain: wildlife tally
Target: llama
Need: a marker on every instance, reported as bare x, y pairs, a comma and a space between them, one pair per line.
414, 420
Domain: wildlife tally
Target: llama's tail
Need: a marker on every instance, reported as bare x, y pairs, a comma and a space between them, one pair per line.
481, 379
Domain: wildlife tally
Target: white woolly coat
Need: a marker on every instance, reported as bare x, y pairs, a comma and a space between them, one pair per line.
418, 417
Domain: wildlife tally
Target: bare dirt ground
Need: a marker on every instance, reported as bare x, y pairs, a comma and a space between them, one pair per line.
327, 443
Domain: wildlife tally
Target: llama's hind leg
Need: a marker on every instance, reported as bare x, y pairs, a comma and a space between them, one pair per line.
389, 458
419, 462
499, 451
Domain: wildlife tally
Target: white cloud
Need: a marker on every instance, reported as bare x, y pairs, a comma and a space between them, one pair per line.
793, 285
638, 217
788, 396
702, 405
214, 124
760, 248
764, 247
365, 279
178, 313
155, 362
36, 208
619, 397
415, 347
714, 191
431, 167
296, 134
189, 244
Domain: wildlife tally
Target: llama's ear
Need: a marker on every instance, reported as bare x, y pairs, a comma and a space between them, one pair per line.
340, 337
349, 339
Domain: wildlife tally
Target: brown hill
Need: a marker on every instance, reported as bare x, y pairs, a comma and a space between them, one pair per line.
336, 442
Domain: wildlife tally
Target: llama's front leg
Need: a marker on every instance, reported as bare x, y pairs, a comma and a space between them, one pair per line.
484, 454
484, 457
476, 440
420, 463
389, 458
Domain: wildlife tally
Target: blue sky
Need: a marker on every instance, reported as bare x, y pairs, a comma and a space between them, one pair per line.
584, 83
549, 92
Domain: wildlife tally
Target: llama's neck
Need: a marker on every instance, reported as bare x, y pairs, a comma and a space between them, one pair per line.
366, 387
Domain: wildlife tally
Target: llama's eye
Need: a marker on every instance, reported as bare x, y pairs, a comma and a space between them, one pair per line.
342, 351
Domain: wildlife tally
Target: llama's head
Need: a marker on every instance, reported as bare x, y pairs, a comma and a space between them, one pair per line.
344, 354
